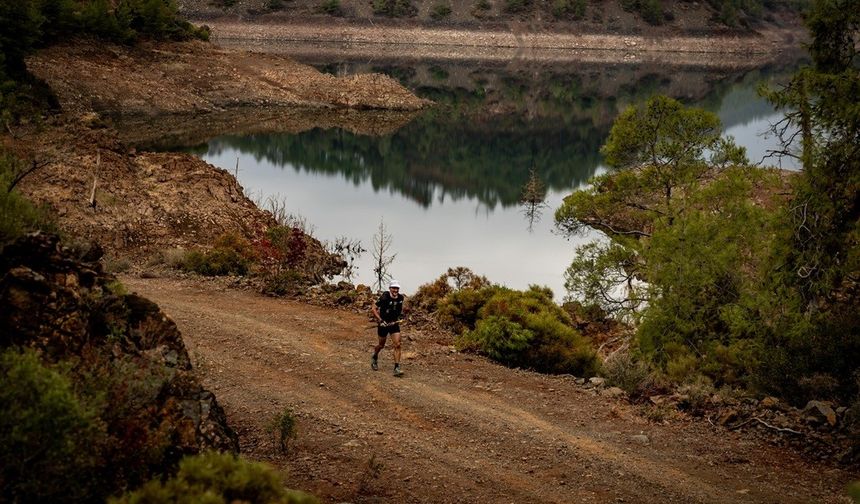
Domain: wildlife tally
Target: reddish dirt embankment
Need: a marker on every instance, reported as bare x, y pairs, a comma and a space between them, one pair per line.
456, 428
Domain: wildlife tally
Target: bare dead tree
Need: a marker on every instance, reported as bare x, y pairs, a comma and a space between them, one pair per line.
381, 258
349, 250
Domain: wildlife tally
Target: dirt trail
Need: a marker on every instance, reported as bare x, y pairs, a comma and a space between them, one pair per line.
456, 428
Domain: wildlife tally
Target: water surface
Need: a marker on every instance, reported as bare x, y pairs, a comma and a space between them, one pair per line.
448, 184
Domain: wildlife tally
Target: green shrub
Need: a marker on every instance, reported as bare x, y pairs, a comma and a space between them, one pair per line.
527, 329
393, 8
569, 8
18, 215
650, 10
481, 7
216, 262
440, 11
285, 283
331, 7
696, 396
283, 427
125, 391
274, 5
853, 491
232, 255
173, 258
114, 264
49, 439
514, 6
217, 478
459, 310
429, 296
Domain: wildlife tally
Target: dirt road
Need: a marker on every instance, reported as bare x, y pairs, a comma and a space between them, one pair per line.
456, 428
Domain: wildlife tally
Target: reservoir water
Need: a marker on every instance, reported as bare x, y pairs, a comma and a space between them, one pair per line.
448, 183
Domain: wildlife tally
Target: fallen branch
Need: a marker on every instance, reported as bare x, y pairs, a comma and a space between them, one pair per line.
95, 181
769, 426
34, 166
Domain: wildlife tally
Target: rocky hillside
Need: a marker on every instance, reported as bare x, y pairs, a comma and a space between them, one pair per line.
126, 362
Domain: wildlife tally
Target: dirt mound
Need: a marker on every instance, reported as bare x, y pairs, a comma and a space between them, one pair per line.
167, 78
144, 202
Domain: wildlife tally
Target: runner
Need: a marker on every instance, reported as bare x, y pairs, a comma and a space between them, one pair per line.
387, 311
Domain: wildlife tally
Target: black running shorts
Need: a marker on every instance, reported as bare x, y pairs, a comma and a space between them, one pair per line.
384, 331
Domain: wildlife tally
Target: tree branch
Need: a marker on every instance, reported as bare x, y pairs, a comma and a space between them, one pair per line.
20, 176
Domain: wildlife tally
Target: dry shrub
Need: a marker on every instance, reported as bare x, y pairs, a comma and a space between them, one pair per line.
622, 369
696, 396
174, 258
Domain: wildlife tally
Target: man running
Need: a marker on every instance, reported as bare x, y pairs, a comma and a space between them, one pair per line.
387, 311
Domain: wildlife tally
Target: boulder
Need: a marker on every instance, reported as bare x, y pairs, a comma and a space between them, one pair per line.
613, 392
769, 402
820, 412
596, 381
727, 417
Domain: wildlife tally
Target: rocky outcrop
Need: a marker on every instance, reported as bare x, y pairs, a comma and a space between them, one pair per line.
59, 302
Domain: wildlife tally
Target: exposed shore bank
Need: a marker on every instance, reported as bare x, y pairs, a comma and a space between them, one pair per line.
488, 43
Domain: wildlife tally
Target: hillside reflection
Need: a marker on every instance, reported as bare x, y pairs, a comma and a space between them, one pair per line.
495, 123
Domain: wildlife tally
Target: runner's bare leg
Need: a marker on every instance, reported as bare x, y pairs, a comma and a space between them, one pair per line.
378, 348
395, 342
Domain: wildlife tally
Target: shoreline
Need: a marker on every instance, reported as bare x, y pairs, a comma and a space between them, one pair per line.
770, 42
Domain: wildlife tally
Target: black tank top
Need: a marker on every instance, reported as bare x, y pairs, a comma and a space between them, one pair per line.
390, 308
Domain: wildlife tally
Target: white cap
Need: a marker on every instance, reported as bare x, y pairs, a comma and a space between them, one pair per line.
393, 284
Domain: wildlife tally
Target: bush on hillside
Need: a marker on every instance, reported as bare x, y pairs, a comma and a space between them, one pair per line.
393, 8
440, 11
528, 330
458, 311
331, 7
514, 6
633, 375
289, 257
429, 296
283, 427
217, 478
18, 215
49, 438
574, 9
650, 10
231, 255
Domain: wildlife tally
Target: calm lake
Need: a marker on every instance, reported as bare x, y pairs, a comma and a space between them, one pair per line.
448, 183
